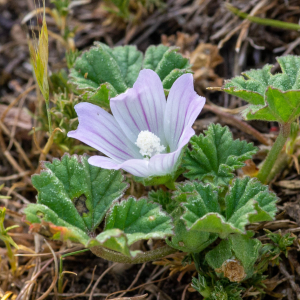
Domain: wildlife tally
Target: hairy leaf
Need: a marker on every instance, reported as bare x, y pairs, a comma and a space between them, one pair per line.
271, 97
77, 192
248, 190
171, 60
215, 156
191, 241
247, 201
103, 72
45, 221
153, 56
164, 198
243, 248
132, 220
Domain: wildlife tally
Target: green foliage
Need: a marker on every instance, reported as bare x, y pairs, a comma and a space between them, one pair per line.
164, 198
133, 220
4, 236
61, 6
242, 248
247, 201
123, 7
83, 193
74, 194
215, 156
270, 97
59, 82
103, 72
217, 290
63, 115
71, 57
271, 252
74, 197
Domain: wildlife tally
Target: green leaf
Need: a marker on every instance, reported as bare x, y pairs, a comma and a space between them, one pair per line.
103, 72
101, 95
171, 78
246, 250
217, 256
153, 56
290, 65
284, 105
101, 65
95, 67
191, 241
248, 190
132, 220
171, 60
164, 198
139, 219
247, 201
79, 193
272, 97
215, 156
52, 225
241, 247
129, 60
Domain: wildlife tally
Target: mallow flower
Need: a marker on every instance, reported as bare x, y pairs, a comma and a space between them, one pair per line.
145, 134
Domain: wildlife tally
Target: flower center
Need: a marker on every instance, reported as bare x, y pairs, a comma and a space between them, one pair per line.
149, 144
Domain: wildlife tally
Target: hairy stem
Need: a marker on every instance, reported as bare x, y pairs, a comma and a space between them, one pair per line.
265, 170
138, 259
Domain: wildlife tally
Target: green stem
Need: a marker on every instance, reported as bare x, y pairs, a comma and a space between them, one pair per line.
11, 258
265, 170
263, 21
138, 259
61, 275
10, 254
170, 185
48, 116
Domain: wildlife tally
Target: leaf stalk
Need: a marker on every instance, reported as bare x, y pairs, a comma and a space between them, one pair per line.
266, 169
138, 259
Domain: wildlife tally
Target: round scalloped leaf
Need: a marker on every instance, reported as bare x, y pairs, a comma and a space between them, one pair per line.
104, 72
248, 190
271, 97
79, 193
241, 247
215, 156
190, 240
247, 201
132, 220
46, 222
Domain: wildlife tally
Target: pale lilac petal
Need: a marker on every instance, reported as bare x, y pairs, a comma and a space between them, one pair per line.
141, 107
183, 107
136, 167
163, 164
99, 129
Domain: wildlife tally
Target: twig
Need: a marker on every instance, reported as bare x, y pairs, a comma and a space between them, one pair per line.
15, 176
262, 21
55, 276
134, 281
17, 145
291, 279
99, 279
88, 287
16, 101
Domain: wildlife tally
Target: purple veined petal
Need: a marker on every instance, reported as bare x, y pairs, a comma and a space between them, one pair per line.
183, 107
99, 129
141, 107
136, 167
163, 164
